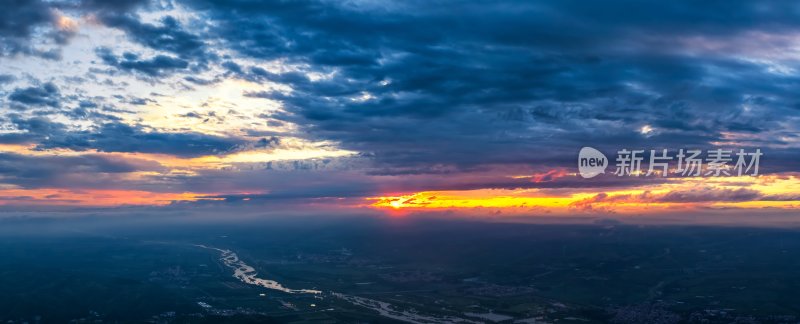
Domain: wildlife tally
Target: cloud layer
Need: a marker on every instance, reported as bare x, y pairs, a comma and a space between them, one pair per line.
320, 99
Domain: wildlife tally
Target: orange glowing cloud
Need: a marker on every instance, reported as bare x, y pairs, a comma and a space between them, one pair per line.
93, 197
545, 176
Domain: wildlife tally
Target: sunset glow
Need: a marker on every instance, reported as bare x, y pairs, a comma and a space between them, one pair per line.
689, 193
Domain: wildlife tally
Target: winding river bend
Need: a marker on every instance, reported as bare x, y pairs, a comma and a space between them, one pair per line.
247, 274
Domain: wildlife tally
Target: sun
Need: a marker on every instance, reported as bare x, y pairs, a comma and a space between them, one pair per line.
396, 204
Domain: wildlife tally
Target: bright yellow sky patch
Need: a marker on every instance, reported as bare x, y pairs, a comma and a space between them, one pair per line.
636, 200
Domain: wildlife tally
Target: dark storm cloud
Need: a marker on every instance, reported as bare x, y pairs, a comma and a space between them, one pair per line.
29, 130
710, 195
155, 66
25, 25
186, 49
114, 136
45, 95
118, 137
511, 82
6, 78
19, 17
117, 6
169, 36
84, 113
200, 81
18, 20
90, 171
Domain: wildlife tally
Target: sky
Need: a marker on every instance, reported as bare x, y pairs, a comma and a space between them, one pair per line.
395, 107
